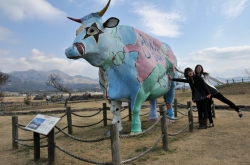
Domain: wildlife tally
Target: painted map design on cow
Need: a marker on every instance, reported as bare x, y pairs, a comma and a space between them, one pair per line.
150, 53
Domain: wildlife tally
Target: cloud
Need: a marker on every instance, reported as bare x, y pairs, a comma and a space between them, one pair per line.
3, 53
222, 62
233, 8
6, 35
157, 21
41, 62
30, 9
219, 32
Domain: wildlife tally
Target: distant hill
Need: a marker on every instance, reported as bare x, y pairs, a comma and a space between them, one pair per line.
229, 80
234, 79
32, 80
230, 89
235, 88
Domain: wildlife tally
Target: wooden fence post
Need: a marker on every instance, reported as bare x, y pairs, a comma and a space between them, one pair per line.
129, 112
51, 147
14, 132
104, 106
36, 137
164, 128
115, 144
213, 108
69, 119
190, 116
175, 107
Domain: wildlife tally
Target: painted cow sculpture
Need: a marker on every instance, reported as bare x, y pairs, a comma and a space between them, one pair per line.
136, 65
116, 105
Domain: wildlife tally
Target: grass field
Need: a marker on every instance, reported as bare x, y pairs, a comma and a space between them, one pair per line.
226, 143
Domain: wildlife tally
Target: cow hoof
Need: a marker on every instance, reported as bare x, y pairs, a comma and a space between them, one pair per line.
108, 133
170, 121
152, 119
134, 133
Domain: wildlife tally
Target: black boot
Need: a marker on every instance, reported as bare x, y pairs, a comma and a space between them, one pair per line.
200, 124
203, 124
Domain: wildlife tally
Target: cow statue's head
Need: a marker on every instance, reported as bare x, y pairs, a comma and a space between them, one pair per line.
93, 40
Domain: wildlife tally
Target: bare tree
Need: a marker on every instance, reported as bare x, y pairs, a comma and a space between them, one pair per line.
27, 100
4, 78
2, 95
55, 81
181, 76
247, 71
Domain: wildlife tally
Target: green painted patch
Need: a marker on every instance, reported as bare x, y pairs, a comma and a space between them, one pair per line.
119, 58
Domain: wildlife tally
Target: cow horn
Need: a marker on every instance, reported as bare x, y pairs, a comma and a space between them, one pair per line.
77, 20
102, 12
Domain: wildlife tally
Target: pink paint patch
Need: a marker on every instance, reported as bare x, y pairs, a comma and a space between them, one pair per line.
149, 54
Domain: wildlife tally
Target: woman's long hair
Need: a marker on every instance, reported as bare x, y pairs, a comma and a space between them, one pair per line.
202, 71
186, 72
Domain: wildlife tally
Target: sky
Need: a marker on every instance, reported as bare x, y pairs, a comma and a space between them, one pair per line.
214, 33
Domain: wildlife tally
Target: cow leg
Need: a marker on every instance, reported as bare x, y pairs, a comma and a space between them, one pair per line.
169, 98
136, 107
115, 108
136, 121
153, 116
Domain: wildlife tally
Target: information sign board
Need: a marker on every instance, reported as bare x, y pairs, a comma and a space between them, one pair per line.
42, 124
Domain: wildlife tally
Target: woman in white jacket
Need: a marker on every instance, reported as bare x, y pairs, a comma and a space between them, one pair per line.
214, 93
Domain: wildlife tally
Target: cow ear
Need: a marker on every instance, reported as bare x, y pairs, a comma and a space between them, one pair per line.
111, 22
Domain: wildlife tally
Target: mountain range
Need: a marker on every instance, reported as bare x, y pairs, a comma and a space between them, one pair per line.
32, 81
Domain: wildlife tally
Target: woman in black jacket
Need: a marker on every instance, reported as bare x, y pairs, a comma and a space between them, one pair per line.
200, 93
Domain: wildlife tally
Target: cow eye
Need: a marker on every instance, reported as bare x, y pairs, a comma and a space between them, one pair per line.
92, 30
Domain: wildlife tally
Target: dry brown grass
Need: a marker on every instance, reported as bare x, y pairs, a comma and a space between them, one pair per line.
226, 143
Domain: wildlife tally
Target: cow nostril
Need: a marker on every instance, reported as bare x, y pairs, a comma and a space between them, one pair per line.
70, 51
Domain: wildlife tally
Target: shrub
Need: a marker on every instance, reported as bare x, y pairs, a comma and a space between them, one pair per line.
39, 97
